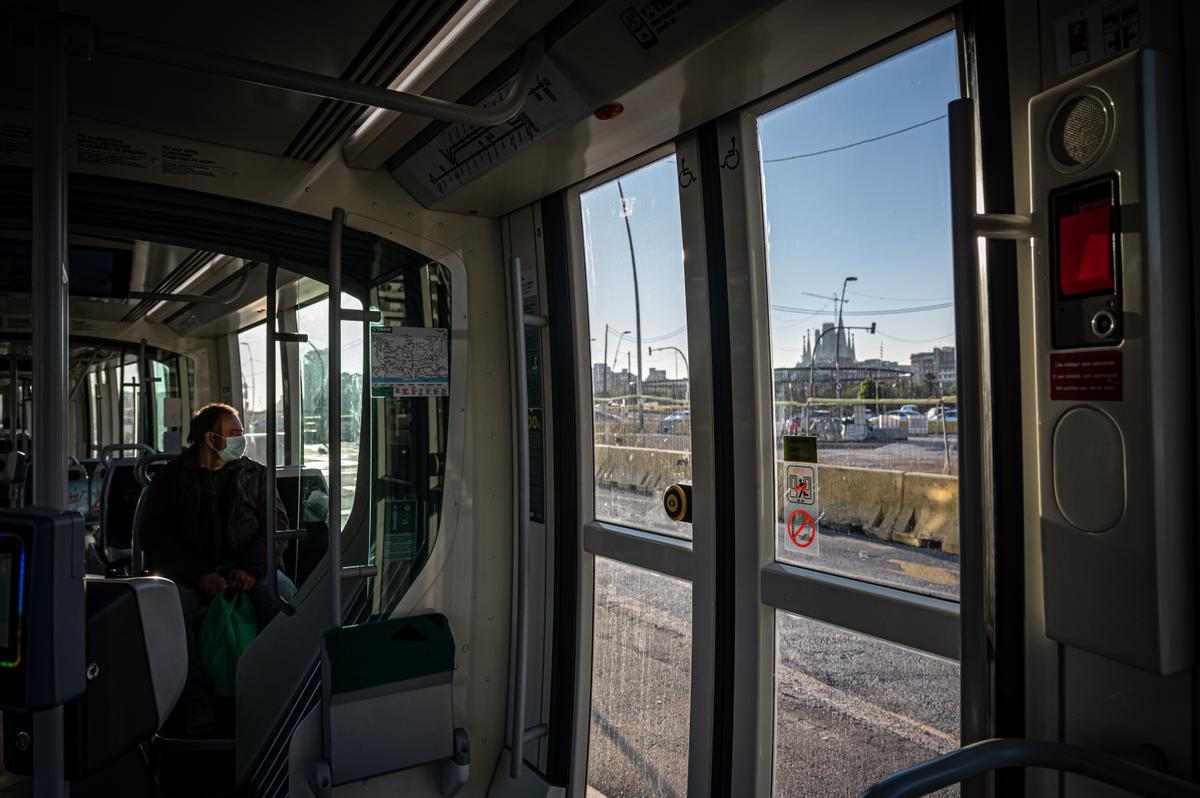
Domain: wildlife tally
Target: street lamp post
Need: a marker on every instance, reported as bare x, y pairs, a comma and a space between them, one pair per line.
837, 357
607, 330
637, 307
687, 370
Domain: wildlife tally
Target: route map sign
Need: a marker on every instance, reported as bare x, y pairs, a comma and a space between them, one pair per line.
461, 152
410, 361
800, 532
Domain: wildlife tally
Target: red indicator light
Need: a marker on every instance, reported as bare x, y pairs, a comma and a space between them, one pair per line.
1085, 252
610, 111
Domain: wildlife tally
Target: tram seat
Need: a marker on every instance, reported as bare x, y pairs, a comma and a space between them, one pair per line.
137, 663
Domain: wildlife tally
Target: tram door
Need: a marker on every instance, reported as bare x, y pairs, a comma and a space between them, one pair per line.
767, 313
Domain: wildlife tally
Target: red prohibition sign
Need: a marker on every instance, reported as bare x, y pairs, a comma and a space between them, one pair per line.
806, 522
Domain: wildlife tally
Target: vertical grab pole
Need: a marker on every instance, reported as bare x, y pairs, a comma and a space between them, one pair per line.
967, 282
49, 334
334, 402
271, 519
520, 665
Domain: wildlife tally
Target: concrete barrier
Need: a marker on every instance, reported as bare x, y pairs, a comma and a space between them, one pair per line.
905, 507
929, 512
644, 470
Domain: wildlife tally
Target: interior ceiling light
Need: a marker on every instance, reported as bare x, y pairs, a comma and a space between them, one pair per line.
459, 24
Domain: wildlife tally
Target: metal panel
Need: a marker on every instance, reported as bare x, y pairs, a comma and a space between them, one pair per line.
647, 550
704, 468
754, 488
907, 619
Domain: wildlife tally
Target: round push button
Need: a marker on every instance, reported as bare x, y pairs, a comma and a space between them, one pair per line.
1089, 470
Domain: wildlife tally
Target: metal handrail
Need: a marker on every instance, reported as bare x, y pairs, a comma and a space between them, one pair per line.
269, 521
281, 77
521, 554
106, 453
988, 755
518, 734
334, 407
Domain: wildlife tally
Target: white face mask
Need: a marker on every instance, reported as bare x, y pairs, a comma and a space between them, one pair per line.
234, 449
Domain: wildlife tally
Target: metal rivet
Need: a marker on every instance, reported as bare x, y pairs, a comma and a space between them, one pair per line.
23, 741
93, 671
491, 495
466, 647
308, 189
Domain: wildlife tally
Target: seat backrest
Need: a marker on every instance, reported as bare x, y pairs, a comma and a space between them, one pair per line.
147, 467
118, 501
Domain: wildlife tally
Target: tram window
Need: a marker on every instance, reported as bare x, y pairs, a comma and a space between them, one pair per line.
641, 682
640, 387
252, 349
313, 319
851, 709
856, 190
409, 447
131, 406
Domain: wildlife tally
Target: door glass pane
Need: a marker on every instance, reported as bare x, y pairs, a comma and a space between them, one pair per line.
640, 398
856, 187
252, 348
850, 709
641, 682
313, 320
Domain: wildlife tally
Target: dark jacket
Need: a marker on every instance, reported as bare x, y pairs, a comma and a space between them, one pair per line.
175, 545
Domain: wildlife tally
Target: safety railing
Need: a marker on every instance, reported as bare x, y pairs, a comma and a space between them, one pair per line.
987, 755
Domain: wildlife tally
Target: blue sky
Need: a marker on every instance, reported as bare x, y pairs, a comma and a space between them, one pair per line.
878, 210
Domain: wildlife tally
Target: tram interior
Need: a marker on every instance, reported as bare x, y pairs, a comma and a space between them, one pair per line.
663, 398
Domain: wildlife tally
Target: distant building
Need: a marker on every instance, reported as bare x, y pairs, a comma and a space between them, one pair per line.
940, 365
656, 375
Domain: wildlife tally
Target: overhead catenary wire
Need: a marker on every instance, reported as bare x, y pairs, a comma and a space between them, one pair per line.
881, 312
859, 143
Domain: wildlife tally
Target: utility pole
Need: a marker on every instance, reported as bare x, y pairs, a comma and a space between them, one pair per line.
637, 308
837, 357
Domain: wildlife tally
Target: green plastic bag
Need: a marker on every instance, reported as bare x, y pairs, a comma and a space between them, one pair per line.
227, 630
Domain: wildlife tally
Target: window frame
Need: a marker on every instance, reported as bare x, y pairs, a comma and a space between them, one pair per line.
653, 551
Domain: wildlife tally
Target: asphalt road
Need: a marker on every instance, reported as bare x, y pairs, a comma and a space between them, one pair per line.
849, 709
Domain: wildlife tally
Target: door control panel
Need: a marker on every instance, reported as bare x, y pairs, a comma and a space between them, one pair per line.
1113, 336
1086, 285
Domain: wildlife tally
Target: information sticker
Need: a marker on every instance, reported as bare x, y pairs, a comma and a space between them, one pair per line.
799, 534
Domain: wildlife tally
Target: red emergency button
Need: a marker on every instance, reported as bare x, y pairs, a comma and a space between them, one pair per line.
1085, 252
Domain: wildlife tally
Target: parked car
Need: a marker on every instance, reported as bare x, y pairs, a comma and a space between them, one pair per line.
936, 412
912, 421
678, 423
796, 425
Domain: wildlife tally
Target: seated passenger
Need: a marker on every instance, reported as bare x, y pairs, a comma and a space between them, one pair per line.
203, 527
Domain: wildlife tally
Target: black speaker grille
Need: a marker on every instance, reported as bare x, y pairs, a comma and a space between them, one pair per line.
1079, 131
